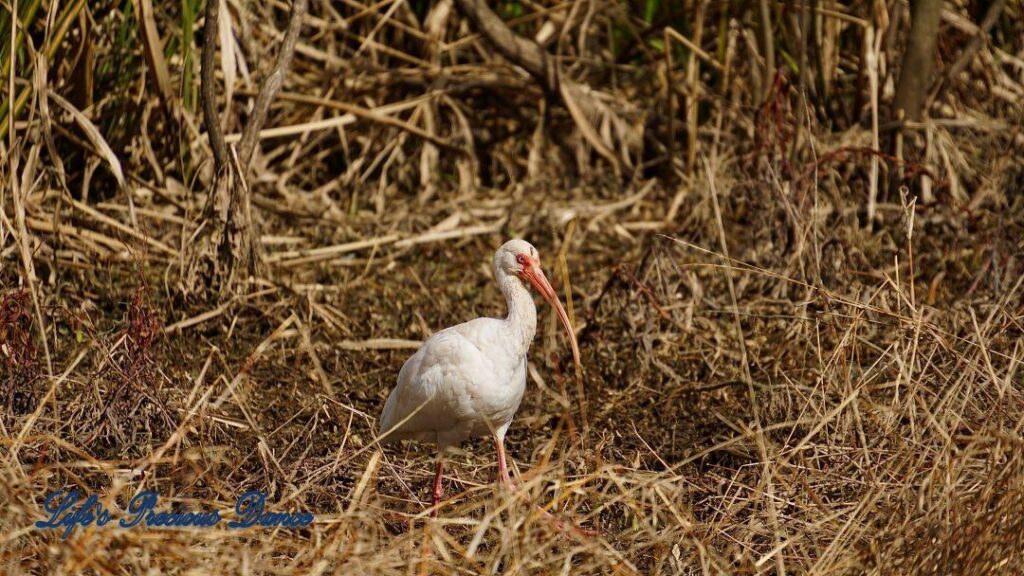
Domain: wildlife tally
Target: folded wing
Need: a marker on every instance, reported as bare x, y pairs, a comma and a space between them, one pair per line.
434, 397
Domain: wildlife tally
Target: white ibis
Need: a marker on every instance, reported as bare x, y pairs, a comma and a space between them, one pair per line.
467, 380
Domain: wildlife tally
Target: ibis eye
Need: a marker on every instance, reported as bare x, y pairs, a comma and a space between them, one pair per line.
521, 259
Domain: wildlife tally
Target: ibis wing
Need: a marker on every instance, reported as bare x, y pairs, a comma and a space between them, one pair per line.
434, 391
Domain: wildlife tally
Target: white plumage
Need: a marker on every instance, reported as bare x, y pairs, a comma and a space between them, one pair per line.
468, 380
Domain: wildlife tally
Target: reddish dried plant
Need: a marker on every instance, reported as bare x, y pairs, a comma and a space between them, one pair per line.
16, 345
143, 327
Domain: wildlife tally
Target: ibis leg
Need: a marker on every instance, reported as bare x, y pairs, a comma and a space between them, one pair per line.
503, 476
499, 446
438, 488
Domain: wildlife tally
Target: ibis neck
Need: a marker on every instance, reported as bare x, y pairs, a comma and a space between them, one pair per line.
522, 313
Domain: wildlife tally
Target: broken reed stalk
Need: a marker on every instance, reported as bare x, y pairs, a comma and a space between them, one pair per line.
16, 196
670, 111
563, 267
379, 116
693, 101
871, 60
153, 51
692, 80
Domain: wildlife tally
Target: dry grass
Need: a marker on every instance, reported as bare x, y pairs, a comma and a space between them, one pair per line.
778, 378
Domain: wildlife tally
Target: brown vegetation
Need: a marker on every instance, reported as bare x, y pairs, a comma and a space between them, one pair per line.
802, 353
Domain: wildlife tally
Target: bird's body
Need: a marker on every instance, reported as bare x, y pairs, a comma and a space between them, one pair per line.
468, 380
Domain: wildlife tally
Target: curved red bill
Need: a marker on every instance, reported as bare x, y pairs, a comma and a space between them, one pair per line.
536, 277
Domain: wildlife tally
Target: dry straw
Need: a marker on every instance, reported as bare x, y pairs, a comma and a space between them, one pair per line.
801, 354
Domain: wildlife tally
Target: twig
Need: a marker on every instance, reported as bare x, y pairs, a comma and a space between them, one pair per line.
272, 84
85, 208
991, 17
204, 317
694, 49
208, 89
380, 344
531, 57
368, 114
294, 257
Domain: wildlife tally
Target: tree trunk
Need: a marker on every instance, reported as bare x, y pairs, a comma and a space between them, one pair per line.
918, 60
224, 247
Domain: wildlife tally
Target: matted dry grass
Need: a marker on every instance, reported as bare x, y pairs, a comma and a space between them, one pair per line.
882, 429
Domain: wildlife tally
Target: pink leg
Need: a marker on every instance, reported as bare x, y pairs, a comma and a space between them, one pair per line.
503, 476
438, 488
499, 446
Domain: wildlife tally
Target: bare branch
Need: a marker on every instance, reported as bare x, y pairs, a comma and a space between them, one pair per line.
965, 59
527, 54
518, 50
273, 83
209, 89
